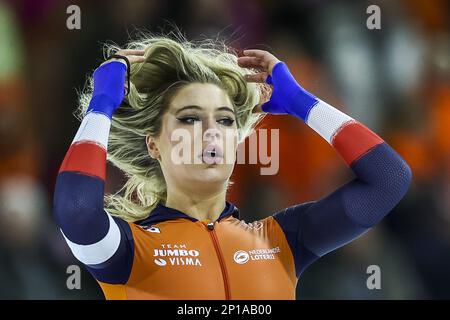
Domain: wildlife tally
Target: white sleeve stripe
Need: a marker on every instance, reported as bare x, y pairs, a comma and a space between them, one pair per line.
98, 252
326, 120
94, 127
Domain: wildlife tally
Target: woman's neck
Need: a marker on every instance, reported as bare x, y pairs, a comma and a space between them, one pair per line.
204, 209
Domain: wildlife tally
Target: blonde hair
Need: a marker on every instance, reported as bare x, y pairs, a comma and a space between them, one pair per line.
171, 62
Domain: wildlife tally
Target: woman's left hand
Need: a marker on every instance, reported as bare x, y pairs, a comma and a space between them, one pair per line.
261, 60
258, 59
287, 96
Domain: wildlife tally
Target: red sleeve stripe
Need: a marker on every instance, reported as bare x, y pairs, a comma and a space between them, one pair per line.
85, 157
353, 140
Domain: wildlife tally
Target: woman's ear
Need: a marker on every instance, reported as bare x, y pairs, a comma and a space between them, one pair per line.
153, 150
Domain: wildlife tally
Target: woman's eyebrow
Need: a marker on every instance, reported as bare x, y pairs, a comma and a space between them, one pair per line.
200, 108
188, 107
225, 109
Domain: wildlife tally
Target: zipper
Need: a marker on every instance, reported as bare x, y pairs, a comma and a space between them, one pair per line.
223, 267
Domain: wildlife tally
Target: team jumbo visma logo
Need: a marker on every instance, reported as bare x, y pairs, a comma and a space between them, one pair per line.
176, 255
241, 257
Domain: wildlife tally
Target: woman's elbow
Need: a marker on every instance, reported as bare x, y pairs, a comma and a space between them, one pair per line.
403, 179
389, 184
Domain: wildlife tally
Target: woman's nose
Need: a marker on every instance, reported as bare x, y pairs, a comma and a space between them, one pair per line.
212, 132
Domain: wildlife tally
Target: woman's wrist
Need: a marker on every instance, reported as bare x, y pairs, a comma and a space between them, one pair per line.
109, 88
288, 97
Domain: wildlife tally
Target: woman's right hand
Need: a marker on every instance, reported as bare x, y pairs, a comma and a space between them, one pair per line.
110, 82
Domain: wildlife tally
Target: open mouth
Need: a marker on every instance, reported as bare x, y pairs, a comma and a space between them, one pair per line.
212, 154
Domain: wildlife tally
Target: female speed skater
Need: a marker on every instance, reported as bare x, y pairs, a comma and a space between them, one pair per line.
171, 233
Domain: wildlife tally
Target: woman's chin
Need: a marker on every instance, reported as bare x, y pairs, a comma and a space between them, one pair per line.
211, 173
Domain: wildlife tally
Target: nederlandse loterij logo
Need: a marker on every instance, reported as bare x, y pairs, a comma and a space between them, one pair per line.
241, 256
176, 255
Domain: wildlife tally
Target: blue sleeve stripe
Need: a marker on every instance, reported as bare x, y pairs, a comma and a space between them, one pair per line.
78, 207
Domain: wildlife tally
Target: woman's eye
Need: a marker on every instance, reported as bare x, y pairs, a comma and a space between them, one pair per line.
226, 121
188, 120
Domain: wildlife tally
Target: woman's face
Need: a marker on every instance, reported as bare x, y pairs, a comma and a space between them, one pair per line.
198, 140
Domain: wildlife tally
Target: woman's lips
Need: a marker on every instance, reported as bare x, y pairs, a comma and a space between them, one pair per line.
212, 154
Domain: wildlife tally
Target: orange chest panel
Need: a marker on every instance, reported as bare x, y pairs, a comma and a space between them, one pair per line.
182, 259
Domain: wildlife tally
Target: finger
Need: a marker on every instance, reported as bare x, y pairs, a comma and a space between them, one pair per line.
136, 59
131, 59
127, 52
267, 59
257, 77
250, 62
256, 53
